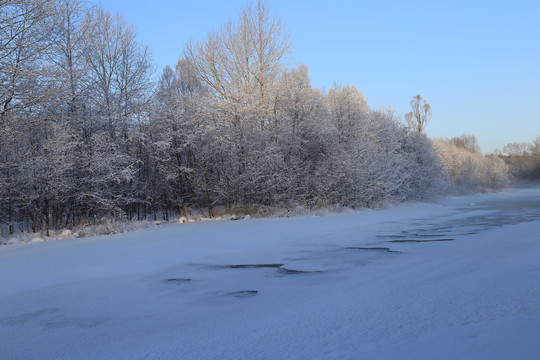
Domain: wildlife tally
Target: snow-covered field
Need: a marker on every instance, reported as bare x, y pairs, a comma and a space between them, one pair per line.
455, 280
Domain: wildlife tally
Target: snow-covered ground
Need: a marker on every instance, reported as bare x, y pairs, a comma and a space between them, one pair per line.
455, 280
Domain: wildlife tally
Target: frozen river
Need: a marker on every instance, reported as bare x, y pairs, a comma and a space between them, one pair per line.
455, 280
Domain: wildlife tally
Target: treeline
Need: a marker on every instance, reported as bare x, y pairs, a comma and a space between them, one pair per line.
522, 159
467, 169
86, 134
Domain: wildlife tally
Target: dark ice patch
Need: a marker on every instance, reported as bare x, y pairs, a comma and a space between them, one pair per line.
383, 249
419, 240
243, 293
285, 271
252, 266
178, 280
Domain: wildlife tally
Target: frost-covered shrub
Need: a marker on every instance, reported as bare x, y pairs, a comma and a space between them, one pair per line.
424, 172
471, 171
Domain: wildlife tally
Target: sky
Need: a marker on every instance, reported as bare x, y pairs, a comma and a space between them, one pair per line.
476, 62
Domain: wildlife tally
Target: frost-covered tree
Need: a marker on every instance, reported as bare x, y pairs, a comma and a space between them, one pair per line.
119, 68
347, 109
516, 149
299, 113
419, 115
467, 142
470, 171
241, 61
176, 130
424, 171
523, 159
25, 40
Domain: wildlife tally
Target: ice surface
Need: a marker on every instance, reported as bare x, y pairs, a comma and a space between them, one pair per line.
333, 287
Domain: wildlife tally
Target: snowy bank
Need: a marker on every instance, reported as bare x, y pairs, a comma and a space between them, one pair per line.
458, 280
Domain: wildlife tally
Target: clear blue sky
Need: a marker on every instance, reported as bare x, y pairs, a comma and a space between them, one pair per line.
476, 62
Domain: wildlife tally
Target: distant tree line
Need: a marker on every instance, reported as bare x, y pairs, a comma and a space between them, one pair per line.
467, 169
522, 159
86, 133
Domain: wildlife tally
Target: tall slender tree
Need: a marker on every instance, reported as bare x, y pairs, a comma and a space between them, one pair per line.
420, 114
